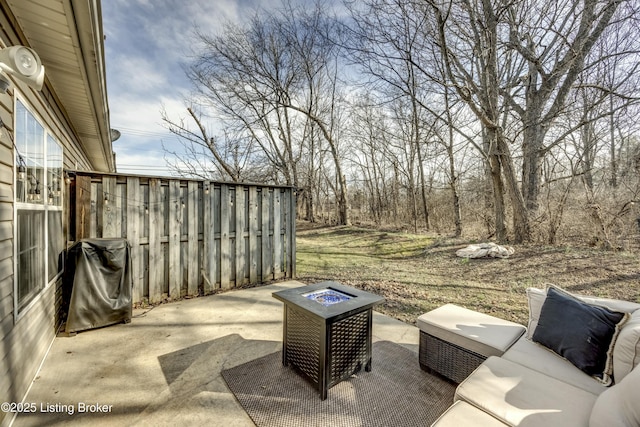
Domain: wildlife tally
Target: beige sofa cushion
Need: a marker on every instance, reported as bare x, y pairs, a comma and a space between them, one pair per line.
463, 414
626, 352
477, 332
535, 298
612, 304
619, 405
539, 358
519, 396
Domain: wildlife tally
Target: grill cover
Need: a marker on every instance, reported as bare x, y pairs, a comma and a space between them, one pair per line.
97, 284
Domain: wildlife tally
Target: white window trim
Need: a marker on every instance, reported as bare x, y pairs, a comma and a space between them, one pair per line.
19, 313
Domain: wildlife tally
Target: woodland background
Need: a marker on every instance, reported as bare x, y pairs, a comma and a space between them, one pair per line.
515, 120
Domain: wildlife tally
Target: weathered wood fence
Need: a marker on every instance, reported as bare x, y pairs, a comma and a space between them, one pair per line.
188, 237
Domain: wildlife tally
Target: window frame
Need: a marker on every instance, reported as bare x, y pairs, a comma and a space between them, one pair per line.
51, 201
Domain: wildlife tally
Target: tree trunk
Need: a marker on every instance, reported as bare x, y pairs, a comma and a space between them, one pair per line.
612, 150
310, 207
498, 198
396, 191
423, 188
494, 173
521, 226
587, 157
453, 179
343, 205
532, 154
416, 136
554, 87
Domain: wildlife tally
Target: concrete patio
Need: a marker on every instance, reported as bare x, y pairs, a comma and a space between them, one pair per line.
164, 367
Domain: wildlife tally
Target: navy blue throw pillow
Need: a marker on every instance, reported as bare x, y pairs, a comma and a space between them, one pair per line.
579, 332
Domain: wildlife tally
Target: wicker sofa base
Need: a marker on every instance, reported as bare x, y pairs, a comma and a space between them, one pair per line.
447, 359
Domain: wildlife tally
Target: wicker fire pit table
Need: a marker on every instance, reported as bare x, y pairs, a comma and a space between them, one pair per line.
327, 331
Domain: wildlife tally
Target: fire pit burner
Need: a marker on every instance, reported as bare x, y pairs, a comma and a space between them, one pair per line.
327, 296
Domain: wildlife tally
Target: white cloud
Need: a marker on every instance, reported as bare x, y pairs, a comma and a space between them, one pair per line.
147, 44
142, 133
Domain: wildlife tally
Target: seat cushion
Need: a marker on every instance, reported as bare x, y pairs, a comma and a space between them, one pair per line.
477, 332
626, 352
582, 333
539, 358
519, 396
535, 299
463, 414
618, 406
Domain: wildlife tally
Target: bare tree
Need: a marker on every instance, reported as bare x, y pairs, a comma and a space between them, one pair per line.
520, 60
198, 144
240, 76
557, 51
319, 99
473, 68
524, 97
274, 84
368, 132
389, 42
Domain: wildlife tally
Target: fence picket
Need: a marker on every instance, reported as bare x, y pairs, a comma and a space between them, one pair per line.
277, 236
266, 238
209, 239
155, 225
252, 259
240, 261
175, 228
225, 245
109, 207
83, 207
132, 233
192, 213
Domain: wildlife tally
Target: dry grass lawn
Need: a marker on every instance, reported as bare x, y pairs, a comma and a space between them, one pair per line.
417, 273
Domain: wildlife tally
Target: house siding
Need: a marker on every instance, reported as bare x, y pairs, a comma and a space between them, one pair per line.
7, 353
25, 342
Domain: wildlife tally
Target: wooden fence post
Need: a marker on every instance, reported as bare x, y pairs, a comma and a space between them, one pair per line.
225, 247
109, 207
277, 236
155, 229
291, 234
267, 271
193, 273
135, 222
209, 238
83, 207
252, 258
240, 260
175, 230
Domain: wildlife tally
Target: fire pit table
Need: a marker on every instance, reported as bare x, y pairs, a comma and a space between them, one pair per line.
327, 331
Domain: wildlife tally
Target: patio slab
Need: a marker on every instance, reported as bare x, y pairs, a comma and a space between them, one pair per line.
164, 367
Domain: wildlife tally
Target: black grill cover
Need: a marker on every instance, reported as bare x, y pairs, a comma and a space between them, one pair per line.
97, 284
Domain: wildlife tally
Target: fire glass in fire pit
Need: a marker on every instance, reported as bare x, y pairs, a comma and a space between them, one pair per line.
327, 296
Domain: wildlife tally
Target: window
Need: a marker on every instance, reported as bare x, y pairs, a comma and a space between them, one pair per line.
40, 239
54, 201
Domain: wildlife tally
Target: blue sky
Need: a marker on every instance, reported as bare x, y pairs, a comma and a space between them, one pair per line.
147, 43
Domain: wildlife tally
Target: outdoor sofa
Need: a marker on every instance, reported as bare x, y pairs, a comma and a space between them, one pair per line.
532, 385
